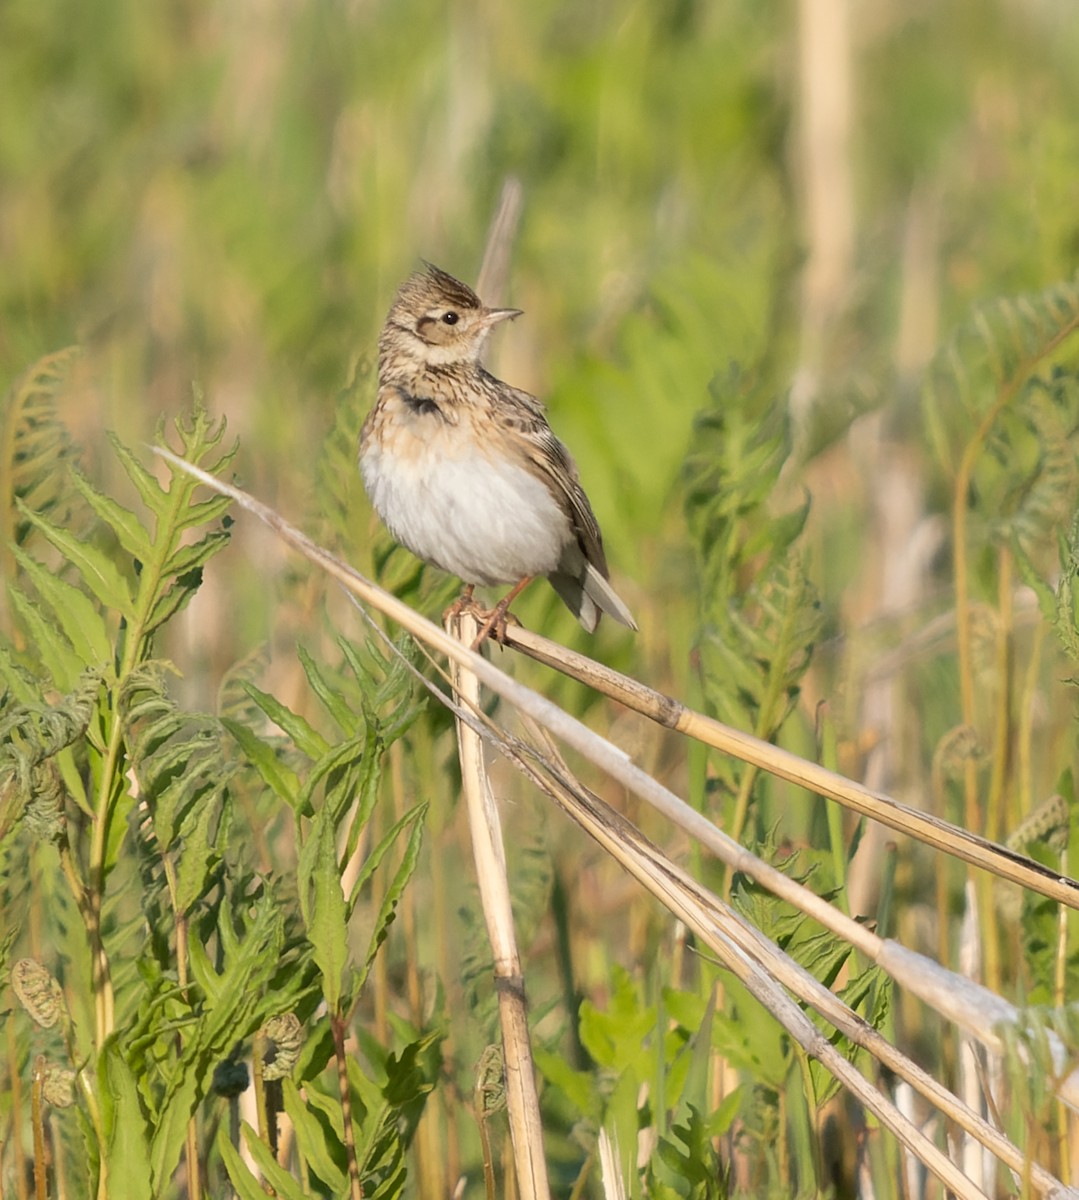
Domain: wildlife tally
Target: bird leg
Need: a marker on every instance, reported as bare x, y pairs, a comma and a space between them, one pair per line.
463, 601
496, 619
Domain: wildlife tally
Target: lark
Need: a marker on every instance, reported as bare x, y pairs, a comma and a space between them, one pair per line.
465, 471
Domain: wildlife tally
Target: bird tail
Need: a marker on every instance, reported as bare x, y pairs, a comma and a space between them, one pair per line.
587, 594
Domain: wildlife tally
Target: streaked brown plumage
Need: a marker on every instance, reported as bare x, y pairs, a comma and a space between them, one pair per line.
464, 469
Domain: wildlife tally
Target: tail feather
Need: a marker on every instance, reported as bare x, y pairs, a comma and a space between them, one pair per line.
587, 594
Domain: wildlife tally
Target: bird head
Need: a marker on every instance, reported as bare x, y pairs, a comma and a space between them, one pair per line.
437, 320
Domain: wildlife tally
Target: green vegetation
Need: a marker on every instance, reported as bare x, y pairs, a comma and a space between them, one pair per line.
824, 395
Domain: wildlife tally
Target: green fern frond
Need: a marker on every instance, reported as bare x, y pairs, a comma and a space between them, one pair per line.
989, 358
1028, 481
760, 617
1059, 604
31, 738
36, 450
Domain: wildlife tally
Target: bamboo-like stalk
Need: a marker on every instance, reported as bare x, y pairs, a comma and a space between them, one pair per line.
711, 918
672, 714
485, 828
971, 1006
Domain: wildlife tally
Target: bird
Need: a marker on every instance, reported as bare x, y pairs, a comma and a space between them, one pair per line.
465, 471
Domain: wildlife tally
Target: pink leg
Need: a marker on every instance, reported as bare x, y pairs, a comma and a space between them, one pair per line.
496, 622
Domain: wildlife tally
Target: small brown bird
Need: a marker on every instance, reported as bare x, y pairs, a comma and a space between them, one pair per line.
464, 469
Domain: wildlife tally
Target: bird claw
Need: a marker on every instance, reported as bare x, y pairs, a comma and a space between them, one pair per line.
494, 622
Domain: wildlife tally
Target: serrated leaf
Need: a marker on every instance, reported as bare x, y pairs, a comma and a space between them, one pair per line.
275, 1175
312, 1140
246, 1185
55, 652
332, 700
199, 855
99, 571
322, 904
388, 907
196, 554
126, 1151
173, 600
205, 511
281, 779
127, 527
170, 1126
304, 735
151, 492
74, 611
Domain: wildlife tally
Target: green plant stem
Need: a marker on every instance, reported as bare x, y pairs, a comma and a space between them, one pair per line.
488, 1161
999, 776
110, 788
1024, 737
37, 1120
337, 1027
15, 1076
960, 493
191, 1145
1059, 999
258, 1054
829, 757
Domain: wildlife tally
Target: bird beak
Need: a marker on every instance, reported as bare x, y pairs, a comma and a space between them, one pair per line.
492, 316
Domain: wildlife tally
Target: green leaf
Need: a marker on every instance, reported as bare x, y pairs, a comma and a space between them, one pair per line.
170, 1125
53, 649
388, 907
151, 492
332, 700
98, 570
200, 856
322, 903
126, 1152
313, 1139
173, 600
72, 609
579, 1087
127, 527
282, 780
275, 1175
246, 1185
196, 554
305, 736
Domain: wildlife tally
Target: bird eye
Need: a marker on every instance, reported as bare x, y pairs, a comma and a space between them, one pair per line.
450, 318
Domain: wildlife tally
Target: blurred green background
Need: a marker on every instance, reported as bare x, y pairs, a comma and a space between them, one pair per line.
226, 195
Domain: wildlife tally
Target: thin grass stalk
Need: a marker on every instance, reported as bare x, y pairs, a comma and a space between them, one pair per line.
37, 1121
15, 1117
191, 1143
1059, 1000
960, 498
973, 1007
485, 827
714, 923
621, 840
1024, 798
338, 1025
934, 831
665, 710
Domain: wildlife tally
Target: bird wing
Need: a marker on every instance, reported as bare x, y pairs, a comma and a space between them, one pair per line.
524, 415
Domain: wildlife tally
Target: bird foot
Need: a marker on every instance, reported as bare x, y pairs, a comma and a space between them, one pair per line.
464, 603
495, 621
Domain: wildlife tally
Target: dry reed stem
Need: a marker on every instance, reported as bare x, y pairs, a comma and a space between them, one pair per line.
971, 1006
485, 829
922, 826
720, 927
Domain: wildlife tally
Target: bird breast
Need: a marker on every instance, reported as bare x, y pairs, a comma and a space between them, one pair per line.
459, 502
